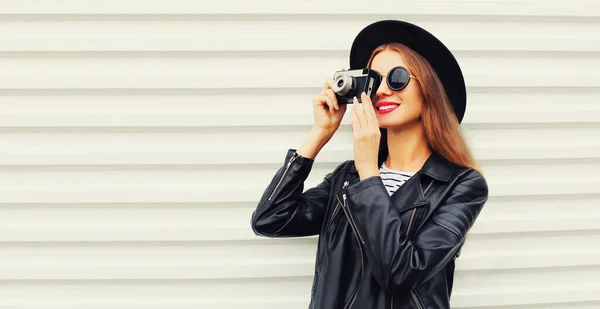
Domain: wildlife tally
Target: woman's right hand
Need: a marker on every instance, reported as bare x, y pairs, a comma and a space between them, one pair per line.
328, 116
327, 112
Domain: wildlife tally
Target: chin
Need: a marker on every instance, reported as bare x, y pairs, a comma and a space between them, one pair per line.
390, 125
396, 124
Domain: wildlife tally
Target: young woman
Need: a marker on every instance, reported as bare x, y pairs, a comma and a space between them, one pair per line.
391, 221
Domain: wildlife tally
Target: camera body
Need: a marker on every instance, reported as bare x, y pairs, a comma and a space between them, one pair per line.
348, 84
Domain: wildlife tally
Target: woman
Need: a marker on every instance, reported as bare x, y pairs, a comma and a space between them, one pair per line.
391, 221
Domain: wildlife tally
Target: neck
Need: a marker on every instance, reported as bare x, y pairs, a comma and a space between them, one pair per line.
408, 148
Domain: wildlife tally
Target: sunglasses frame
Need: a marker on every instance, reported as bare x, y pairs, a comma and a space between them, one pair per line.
387, 80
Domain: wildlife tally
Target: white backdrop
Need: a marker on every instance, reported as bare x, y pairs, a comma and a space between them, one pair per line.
136, 138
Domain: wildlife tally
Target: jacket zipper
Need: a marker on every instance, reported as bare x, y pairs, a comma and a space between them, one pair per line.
337, 206
352, 222
416, 299
412, 216
294, 156
360, 240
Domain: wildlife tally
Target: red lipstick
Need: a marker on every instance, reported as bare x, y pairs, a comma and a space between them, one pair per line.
393, 107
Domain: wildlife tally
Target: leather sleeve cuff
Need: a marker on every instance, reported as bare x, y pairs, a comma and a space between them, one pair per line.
302, 165
364, 184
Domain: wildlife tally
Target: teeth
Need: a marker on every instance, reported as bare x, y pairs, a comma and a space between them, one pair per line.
387, 107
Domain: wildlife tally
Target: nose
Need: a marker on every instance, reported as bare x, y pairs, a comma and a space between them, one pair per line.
383, 89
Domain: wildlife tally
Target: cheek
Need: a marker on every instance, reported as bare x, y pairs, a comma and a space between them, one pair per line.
413, 99
415, 96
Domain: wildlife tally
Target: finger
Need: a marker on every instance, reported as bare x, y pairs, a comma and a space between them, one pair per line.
355, 122
322, 101
369, 109
328, 84
360, 113
329, 103
333, 98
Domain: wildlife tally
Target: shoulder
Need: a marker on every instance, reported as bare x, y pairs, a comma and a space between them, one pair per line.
459, 175
465, 181
341, 169
470, 182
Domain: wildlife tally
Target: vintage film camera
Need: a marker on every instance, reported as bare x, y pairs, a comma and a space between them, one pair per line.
348, 84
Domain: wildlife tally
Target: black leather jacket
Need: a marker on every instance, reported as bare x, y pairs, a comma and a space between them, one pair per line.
376, 251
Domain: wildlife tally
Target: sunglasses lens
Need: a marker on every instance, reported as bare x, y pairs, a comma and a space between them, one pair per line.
398, 78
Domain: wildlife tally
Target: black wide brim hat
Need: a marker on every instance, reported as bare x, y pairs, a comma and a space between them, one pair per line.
425, 44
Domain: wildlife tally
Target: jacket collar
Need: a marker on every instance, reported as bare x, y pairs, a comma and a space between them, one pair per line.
436, 167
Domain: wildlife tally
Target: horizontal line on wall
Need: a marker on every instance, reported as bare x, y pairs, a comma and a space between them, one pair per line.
514, 16
213, 269
78, 282
538, 301
583, 160
156, 129
545, 233
296, 270
164, 91
196, 53
545, 197
258, 241
536, 125
134, 167
129, 166
554, 305
253, 204
266, 80
259, 128
58, 232
255, 91
310, 240
200, 205
295, 302
279, 54
159, 191
549, 269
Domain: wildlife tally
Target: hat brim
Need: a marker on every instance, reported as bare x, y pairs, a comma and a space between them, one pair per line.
424, 43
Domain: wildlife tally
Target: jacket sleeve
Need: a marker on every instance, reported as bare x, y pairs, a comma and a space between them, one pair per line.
399, 263
284, 210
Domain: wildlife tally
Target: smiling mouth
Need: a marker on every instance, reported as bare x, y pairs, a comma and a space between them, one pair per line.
385, 107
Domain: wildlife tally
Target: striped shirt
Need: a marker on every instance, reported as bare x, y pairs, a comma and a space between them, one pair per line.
393, 179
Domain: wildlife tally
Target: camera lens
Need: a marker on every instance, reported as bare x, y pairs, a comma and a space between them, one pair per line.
342, 84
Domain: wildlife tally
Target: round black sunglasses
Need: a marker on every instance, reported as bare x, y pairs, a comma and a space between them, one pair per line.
398, 78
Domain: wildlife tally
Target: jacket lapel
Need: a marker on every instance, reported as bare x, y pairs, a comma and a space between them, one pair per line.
409, 195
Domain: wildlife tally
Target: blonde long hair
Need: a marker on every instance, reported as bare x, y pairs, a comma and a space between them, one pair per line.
442, 130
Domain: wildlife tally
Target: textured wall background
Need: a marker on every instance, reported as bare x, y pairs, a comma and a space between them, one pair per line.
137, 136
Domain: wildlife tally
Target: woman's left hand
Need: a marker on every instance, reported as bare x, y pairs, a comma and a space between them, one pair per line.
366, 137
